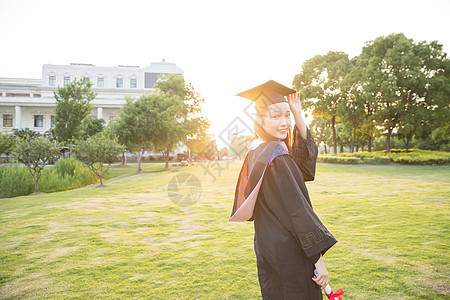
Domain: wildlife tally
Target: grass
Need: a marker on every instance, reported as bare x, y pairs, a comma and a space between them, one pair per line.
130, 241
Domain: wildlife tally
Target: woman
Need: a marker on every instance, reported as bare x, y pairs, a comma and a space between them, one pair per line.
289, 240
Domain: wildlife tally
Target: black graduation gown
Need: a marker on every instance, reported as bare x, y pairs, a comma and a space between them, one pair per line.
289, 237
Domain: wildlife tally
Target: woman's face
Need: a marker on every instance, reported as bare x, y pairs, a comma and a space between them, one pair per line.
277, 120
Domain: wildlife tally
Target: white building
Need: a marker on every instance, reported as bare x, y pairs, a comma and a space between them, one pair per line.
30, 103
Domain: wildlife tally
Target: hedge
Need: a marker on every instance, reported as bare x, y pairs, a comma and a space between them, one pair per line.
414, 157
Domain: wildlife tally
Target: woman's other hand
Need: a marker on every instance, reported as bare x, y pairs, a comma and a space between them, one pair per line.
322, 278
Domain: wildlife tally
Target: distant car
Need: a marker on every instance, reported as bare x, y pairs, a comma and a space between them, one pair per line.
184, 163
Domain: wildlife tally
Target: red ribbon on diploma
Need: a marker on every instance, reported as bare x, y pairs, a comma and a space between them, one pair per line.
335, 295
329, 292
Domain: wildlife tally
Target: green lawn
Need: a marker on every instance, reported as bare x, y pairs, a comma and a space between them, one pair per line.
130, 241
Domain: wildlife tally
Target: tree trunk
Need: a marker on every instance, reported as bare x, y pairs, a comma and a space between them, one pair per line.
341, 149
334, 134
167, 154
325, 145
167, 158
369, 143
36, 181
139, 161
407, 144
353, 139
123, 159
388, 141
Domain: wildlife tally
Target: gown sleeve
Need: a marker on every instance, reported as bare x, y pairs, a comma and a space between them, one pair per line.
298, 215
304, 153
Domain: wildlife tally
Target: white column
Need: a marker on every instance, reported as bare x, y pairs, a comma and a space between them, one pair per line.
18, 117
99, 112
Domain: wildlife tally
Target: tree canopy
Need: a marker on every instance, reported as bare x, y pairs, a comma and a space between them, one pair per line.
73, 105
394, 86
181, 118
35, 154
320, 84
161, 120
96, 152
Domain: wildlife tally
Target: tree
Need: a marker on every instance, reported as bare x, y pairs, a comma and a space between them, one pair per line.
92, 126
96, 151
410, 123
161, 120
342, 136
179, 114
319, 129
354, 104
319, 84
201, 147
223, 152
73, 105
7, 143
136, 124
402, 77
438, 97
124, 136
35, 154
358, 108
441, 135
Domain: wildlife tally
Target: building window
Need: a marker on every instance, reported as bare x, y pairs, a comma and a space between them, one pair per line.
87, 78
133, 83
38, 120
7, 120
100, 82
119, 82
112, 118
52, 121
52, 80
66, 80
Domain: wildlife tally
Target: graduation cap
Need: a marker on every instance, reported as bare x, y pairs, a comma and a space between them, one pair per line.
267, 93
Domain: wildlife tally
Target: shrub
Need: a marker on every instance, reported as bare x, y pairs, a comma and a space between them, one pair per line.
420, 157
67, 166
413, 156
15, 180
68, 173
331, 158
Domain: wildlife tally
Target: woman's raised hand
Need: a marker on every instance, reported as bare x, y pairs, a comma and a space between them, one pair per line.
294, 102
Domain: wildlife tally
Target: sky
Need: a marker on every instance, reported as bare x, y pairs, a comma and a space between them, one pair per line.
224, 47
